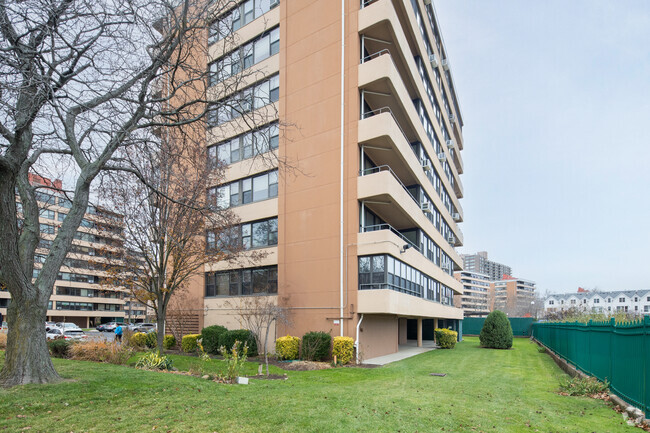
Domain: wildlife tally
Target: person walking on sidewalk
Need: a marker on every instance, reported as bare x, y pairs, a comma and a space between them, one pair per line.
118, 332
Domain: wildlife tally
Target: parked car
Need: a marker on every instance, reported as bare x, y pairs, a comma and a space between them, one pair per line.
67, 325
53, 333
49, 325
107, 327
145, 327
74, 334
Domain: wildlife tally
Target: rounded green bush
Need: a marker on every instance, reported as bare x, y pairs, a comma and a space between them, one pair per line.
139, 339
228, 338
316, 346
151, 341
188, 342
59, 348
210, 338
497, 331
169, 342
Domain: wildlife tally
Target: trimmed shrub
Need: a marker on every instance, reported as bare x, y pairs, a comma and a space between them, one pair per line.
210, 338
152, 340
169, 342
496, 332
316, 346
139, 339
244, 336
59, 348
343, 349
287, 347
446, 338
101, 351
188, 343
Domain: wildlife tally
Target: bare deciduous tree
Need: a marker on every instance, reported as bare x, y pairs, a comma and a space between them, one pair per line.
80, 89
257, 314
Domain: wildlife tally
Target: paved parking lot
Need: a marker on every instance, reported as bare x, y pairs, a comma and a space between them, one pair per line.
96, 335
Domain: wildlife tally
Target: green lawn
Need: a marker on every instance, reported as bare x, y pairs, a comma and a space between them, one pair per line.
484, 390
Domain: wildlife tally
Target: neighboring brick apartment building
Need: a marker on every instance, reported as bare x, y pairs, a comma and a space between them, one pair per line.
515, 296
79, 295
360, 237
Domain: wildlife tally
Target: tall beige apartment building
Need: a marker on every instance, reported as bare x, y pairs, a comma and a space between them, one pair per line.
80, 295
360, 235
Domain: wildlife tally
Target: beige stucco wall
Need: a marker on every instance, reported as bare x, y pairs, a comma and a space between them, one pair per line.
310, 92
378, 335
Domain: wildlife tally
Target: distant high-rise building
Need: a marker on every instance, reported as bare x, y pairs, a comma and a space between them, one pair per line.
475, 300
479, 263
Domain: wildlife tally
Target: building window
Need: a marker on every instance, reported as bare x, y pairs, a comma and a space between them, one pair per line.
47, 229
244, 191
596, 301
386, 272
573, 301
263, 47
245, 146
245, 101
257, 234
242, 282
238, 17
621, 299
551, 302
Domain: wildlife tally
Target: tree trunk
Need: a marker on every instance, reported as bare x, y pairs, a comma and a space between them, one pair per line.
160, 316
27, 358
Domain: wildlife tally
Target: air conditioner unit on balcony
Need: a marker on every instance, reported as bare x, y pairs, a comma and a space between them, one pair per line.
445, 64
433, 59
452, 118
456, 216
426, 207
450, 143
451, 239
427, 2
426, 165
442, 157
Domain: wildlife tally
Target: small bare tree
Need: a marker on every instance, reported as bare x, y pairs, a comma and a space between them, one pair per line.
257, 314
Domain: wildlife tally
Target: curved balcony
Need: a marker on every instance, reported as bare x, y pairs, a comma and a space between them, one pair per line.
383, 193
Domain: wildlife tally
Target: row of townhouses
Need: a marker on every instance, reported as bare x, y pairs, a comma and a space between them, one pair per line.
627, 301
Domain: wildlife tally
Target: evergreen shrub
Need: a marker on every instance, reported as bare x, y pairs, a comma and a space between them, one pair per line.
210, 338
343, 349
244, 336
287, 347
138, 339
316, 346
446, 338
189, 344
169, 342
496, 332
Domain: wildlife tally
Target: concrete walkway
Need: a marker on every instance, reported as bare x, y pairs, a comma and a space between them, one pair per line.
404, 351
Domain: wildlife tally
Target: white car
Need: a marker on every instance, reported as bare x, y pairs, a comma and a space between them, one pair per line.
53, 333
68, 326
74, 334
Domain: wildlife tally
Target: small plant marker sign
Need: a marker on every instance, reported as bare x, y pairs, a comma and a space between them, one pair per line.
438, 374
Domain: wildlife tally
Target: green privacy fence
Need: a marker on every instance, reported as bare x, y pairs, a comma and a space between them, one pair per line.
617, 352
521, 326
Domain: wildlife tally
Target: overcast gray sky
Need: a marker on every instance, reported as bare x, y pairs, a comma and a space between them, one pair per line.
555, 97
